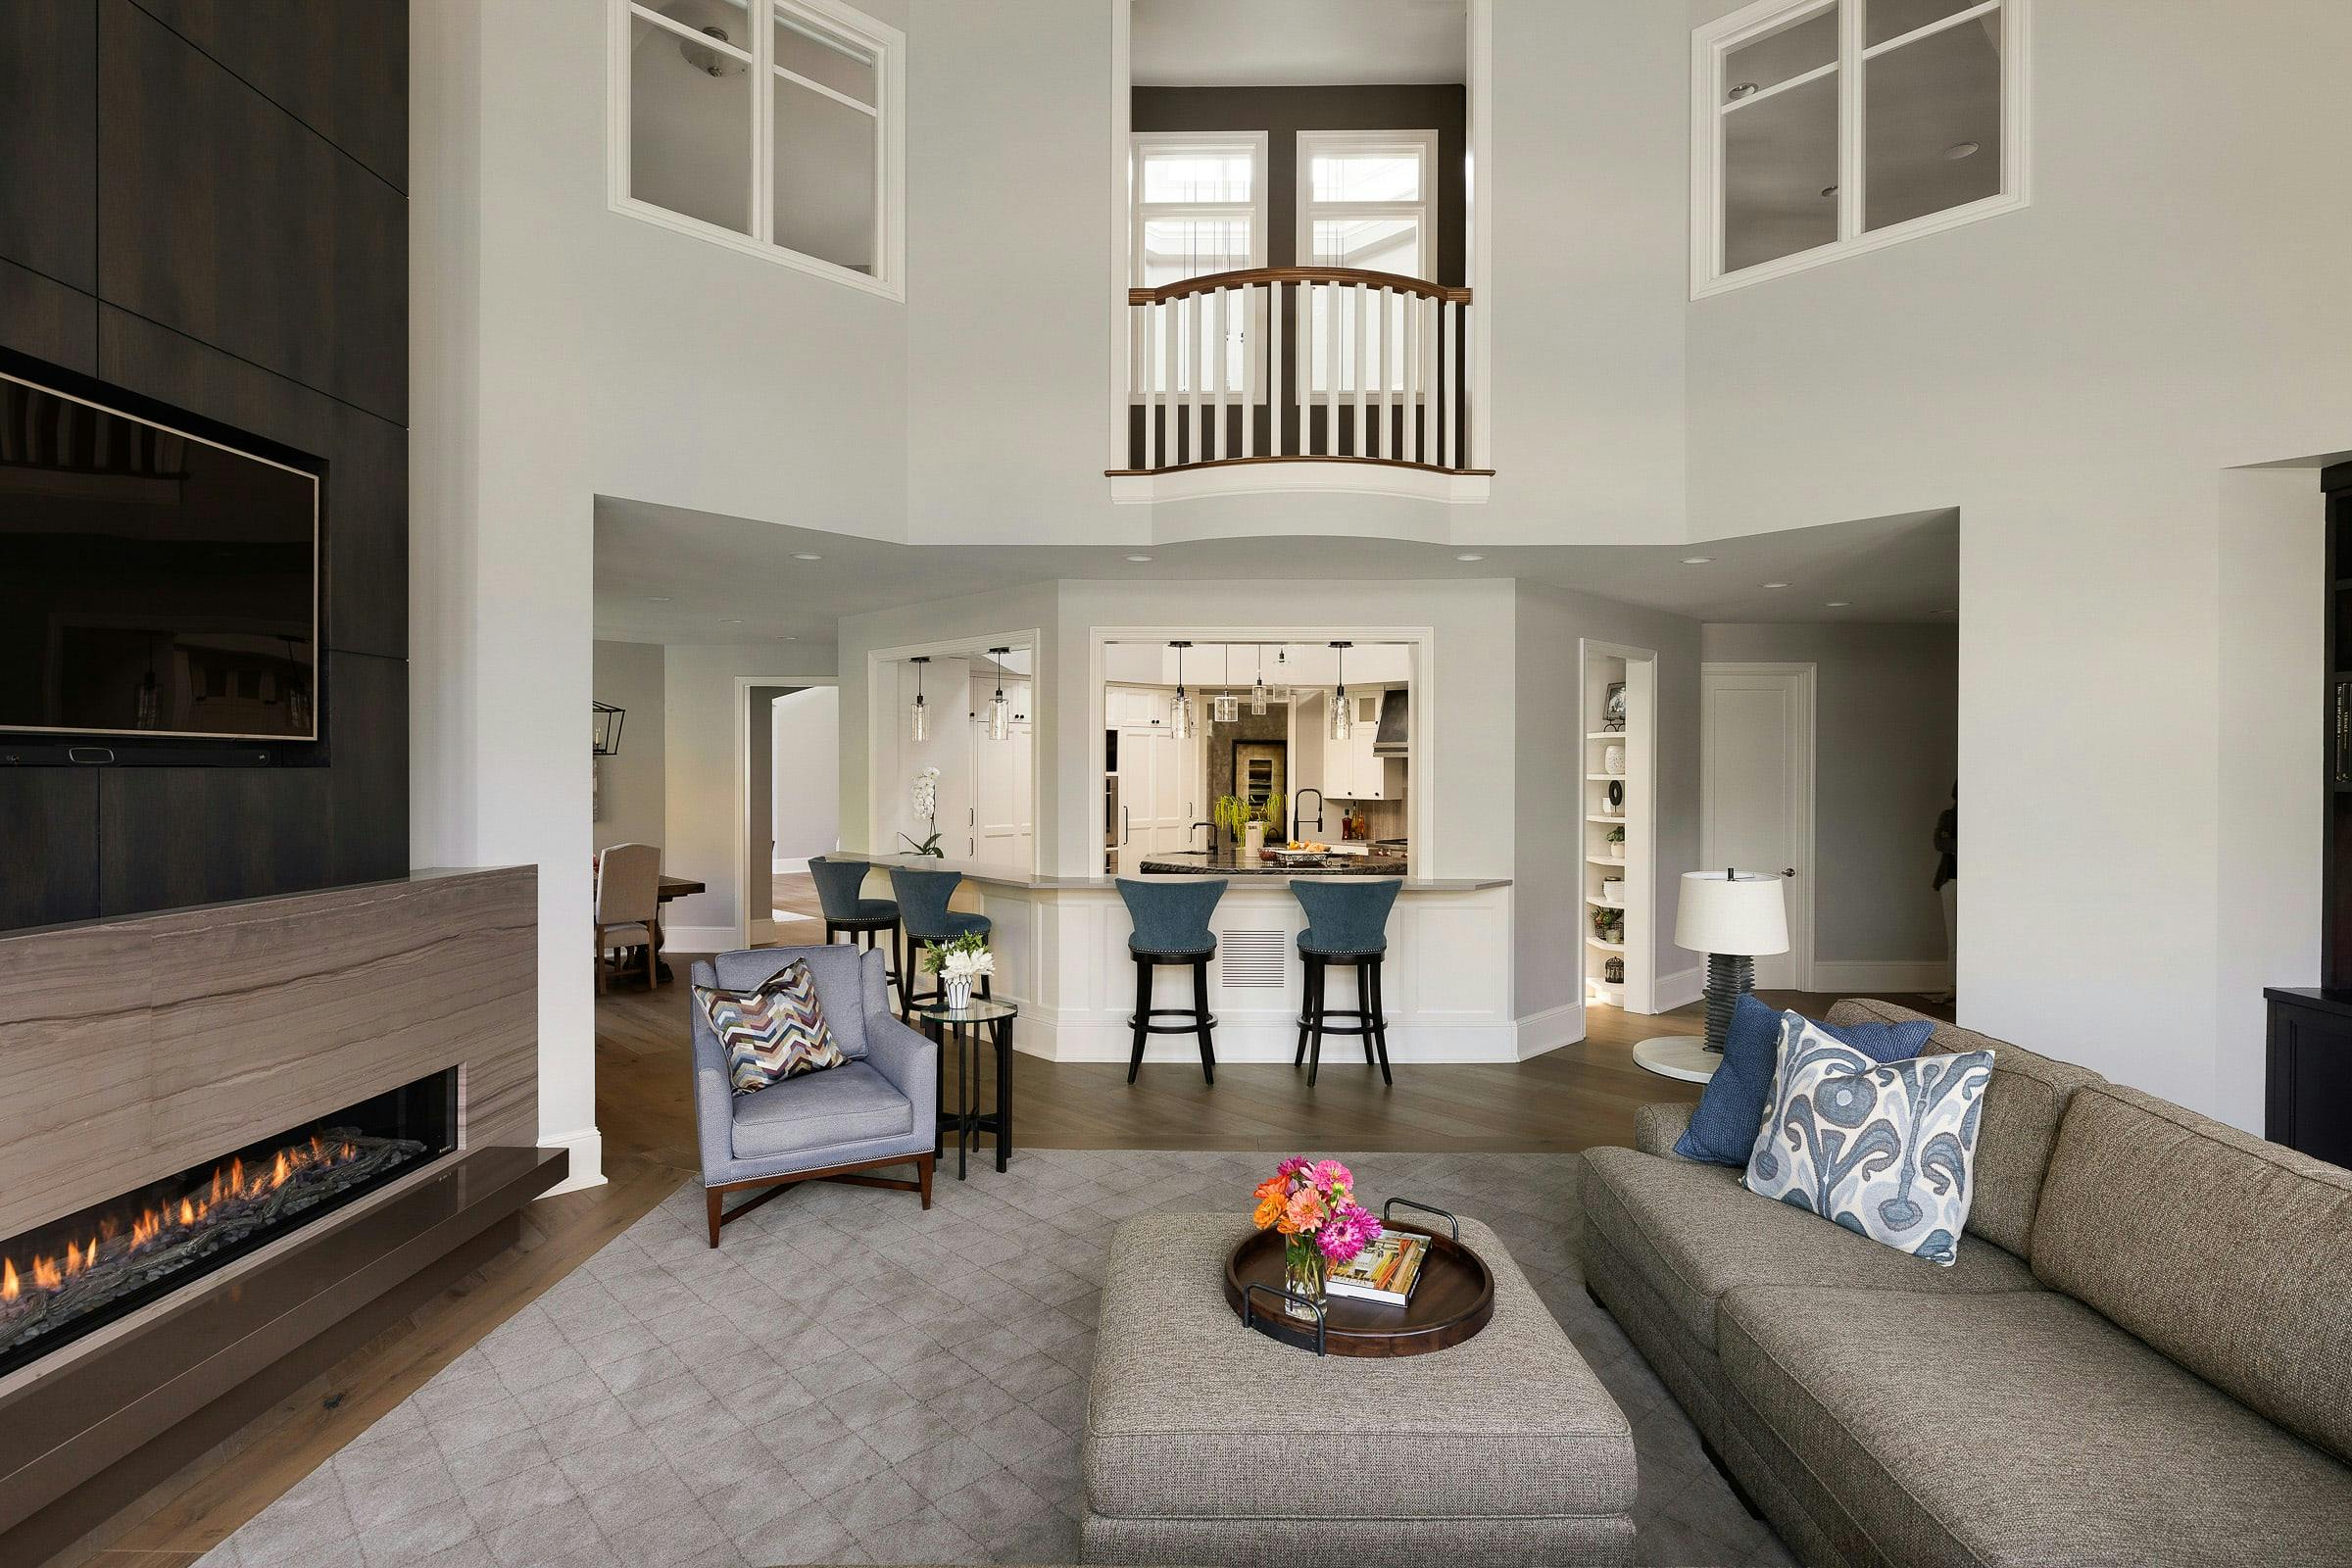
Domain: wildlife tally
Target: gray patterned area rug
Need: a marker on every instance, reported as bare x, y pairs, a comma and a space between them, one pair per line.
851, 1380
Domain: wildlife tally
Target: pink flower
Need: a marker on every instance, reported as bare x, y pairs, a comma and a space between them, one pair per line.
1292, 1166
1330, 1176
1350, 1229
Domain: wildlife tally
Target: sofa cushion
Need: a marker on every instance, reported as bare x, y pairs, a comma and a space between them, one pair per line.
2231, 1256
2022, 1103
774, 1031
851, 984
817, 1110
1692, 1232
1731, 1109
2024, 1428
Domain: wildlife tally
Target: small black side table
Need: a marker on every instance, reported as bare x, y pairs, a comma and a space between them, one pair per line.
961, 1029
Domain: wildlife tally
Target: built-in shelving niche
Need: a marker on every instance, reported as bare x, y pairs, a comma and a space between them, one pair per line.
1618, 798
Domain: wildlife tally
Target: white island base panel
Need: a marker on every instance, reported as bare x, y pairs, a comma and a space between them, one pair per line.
1062, 953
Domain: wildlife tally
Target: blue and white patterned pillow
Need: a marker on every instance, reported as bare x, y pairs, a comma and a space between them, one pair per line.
1884, 1150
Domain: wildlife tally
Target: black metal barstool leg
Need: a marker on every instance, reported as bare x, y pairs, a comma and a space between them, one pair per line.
1202, 1020
1003, 1030
1142, 1016
1363, 1000
1306, 1004
1379, 1025
1315, 1047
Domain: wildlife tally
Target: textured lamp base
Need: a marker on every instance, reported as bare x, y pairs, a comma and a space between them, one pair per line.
1684, 1056
1729, 977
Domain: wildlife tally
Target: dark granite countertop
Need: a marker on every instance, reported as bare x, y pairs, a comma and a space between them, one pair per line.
1240, 863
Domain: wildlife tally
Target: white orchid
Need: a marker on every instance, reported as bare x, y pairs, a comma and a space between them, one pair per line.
969, 965
926, 794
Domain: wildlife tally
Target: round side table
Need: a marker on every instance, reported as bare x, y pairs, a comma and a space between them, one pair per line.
1683, 1056
960, 1029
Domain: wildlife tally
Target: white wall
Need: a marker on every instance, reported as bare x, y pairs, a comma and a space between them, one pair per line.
705, 799
807, 740
1886, 741
629, 676
2074, 377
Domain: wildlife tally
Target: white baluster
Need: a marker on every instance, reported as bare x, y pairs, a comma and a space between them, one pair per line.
1414, 347
1359, 332
1449, 321
1145, 360
1274, 410
1170, 310
1253, 338
1470, 414
1192, 348
1333, 294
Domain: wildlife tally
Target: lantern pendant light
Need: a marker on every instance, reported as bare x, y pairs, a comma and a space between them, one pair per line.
1000, 710
1342, 722
1227, 708
1257, 693
1180, 708
918, 718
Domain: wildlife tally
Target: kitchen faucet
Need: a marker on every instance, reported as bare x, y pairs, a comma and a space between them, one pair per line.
1295, 821
1212, 835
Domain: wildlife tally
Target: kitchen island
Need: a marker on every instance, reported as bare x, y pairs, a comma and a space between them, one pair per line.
1060, 944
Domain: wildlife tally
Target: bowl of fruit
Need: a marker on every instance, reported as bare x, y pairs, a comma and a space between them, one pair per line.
1298, 850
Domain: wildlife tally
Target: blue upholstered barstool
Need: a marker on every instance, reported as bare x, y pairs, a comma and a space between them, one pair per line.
924, 917
1171, 926
840, 892
1346, 922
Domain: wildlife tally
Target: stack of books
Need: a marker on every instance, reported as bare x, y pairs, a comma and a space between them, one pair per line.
1385, 1271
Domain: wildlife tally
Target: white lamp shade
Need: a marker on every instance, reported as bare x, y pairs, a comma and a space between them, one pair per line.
1739, 914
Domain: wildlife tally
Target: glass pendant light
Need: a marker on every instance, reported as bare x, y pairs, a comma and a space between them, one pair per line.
1226, 709
1180, 707
1000, 710
1257, 693
1342, 722
918, 718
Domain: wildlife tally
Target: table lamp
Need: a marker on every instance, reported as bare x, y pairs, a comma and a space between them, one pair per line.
1733, 917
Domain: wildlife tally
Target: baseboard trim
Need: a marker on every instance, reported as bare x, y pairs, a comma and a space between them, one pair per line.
700, 939
1678, 988
800, 864
1872, 976
1550, 1029
587, 1149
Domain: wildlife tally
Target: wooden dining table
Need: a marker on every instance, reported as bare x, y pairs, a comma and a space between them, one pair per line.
672, 887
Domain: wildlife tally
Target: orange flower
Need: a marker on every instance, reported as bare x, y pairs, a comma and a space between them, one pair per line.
1302, 1213
1269, 1209
1272, 1187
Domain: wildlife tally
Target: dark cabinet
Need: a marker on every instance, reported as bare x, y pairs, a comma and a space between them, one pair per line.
2310, 1083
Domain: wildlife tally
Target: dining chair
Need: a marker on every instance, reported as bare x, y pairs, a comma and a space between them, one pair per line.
628, 898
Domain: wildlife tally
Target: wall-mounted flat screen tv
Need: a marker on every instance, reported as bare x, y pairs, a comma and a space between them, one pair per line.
159, 577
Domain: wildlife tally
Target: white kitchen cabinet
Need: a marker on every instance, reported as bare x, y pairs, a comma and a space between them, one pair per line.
1001, 831
1351, 770
1125, 706
1160, 783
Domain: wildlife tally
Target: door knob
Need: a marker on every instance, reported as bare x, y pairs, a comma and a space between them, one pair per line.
1788, 870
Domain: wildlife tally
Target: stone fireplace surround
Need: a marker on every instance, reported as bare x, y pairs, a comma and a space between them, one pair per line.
133, 1048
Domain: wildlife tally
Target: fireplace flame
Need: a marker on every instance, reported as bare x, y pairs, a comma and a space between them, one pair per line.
229, 1184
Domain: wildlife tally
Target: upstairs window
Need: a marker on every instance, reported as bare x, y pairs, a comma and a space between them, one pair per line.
1365, 200
1200, 206
1824, 128
782, 137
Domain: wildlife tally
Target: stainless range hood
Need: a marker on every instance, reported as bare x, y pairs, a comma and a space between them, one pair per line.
1395, 724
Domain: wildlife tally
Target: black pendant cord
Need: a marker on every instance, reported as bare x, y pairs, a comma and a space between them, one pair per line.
1730, 976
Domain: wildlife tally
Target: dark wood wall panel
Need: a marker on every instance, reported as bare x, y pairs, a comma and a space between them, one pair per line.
368, 465
200, 201
48, 138
48, 845
221, 216
340, 68
47, 319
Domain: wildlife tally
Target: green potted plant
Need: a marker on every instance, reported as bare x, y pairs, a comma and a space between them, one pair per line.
1617, 843
1608, 924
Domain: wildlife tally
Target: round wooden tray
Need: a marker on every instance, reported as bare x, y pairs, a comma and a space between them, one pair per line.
1454, 1301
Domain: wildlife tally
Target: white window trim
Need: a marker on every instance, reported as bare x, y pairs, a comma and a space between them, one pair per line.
1423, 144
885, 43
1207, 141
1711, 43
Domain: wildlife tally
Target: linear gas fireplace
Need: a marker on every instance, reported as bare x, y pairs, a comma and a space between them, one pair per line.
62, 1280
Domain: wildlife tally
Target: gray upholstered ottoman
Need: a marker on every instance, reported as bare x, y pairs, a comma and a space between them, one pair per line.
1208, 1442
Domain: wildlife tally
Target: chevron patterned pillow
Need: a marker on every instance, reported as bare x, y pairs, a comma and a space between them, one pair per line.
775, 1032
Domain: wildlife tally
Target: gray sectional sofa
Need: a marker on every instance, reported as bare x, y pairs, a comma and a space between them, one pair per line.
2143, 1355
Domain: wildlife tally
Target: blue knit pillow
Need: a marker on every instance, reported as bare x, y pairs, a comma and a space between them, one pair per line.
1723, 1129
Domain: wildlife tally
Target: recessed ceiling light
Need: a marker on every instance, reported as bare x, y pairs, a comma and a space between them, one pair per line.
1139, 558
804, 555
658, 599
1469, 556
1960, 149
1697, 560
1839, 604
1775, 585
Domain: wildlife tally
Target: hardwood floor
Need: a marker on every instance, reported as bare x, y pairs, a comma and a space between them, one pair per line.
1573, 1098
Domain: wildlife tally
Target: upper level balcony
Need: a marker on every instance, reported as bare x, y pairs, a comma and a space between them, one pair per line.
1300, 378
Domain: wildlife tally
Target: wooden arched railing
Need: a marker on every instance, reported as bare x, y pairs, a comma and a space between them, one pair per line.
1299, 363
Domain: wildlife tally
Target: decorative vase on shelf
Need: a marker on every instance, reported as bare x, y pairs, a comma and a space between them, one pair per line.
1612, 759
956, 991
1616, 848
1253, 840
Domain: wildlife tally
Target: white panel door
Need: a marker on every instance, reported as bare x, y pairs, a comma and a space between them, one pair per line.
1001, 796
1756, 794
1151, 795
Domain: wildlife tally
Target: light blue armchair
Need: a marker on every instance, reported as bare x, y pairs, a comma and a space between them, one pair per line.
878, 1108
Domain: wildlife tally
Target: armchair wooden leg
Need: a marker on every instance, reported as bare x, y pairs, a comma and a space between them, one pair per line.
711, 1197
922, 1167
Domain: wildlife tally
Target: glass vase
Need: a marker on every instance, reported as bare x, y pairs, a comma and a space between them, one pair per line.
1302, 1274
